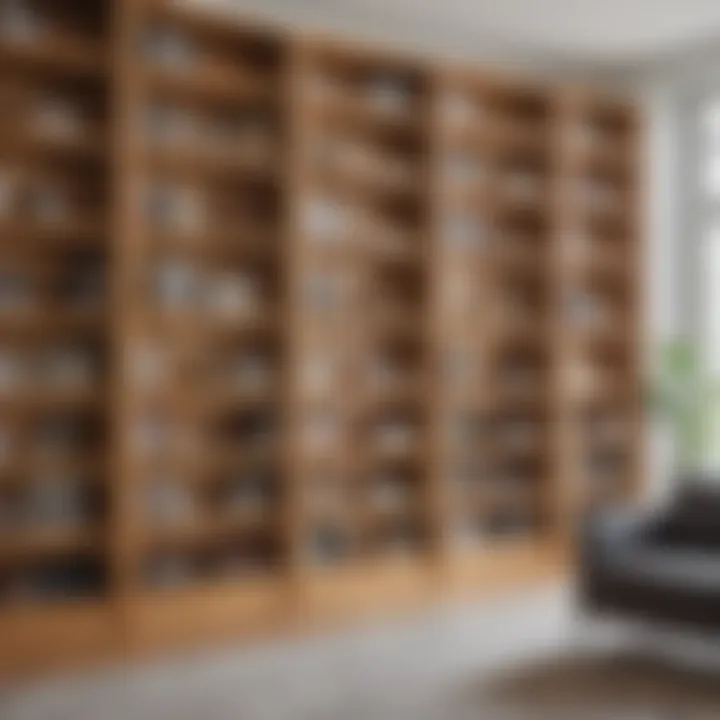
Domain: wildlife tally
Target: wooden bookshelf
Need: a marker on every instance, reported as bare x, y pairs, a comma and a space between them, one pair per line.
299, 322
365, 357
208, 344
598, 280
55, 496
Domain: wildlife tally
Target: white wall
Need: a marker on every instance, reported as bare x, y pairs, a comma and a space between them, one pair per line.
665, 311
402, 31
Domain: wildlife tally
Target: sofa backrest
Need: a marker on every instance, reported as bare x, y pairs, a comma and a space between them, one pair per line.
694, 517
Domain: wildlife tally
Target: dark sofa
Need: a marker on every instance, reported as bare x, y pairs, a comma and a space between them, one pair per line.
662, 566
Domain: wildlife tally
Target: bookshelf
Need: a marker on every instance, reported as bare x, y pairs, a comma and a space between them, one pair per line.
55, 179
493, 213
207, 345
597, 269
364, 240
300, 322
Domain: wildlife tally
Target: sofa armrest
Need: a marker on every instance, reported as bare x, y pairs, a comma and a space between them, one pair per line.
607, 535
604, 539
606, 532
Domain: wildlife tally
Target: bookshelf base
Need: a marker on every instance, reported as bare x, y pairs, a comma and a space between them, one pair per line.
173, 620
46, 641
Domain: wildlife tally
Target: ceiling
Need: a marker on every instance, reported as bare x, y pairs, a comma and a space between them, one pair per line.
610, 30
607, 31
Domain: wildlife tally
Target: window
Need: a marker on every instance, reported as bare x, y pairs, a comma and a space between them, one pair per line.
708, 215
710, 149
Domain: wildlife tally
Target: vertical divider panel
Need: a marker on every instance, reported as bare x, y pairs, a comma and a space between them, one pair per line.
296, 113
561, 501
639, 339
633, 149
127, 255
434, 258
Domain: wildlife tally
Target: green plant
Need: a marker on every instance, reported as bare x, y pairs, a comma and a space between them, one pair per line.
685, 396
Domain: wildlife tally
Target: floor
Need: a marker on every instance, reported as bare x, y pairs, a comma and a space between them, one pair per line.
527, 656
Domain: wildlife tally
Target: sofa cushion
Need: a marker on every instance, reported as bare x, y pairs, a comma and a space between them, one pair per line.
694, 518
668, 569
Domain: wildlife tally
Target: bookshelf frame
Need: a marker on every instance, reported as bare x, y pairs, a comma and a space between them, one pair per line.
511, 179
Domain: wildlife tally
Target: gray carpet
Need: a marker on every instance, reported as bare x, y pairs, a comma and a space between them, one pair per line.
525, 657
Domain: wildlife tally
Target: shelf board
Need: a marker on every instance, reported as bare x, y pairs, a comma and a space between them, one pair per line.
590, 104
29, 147
201, 165
401, 395
526, 261
213, 585
539, 207
612, 159
210, 402
216, 462
252, 244
414, 457
471, 198
221, 460
50, 543
589, 340
375, 518
56, 56
531, 138
201, 88
348, 112
469, 139
599, 264
216, 529
52, 321
188, 324
31, 465
536, 451
497, 399
389, 323
78, 233
523, 333
22, 403
615, 396
364, 187
413, 253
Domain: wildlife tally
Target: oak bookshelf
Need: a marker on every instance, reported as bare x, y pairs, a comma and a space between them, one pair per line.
334, 331
56, 555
